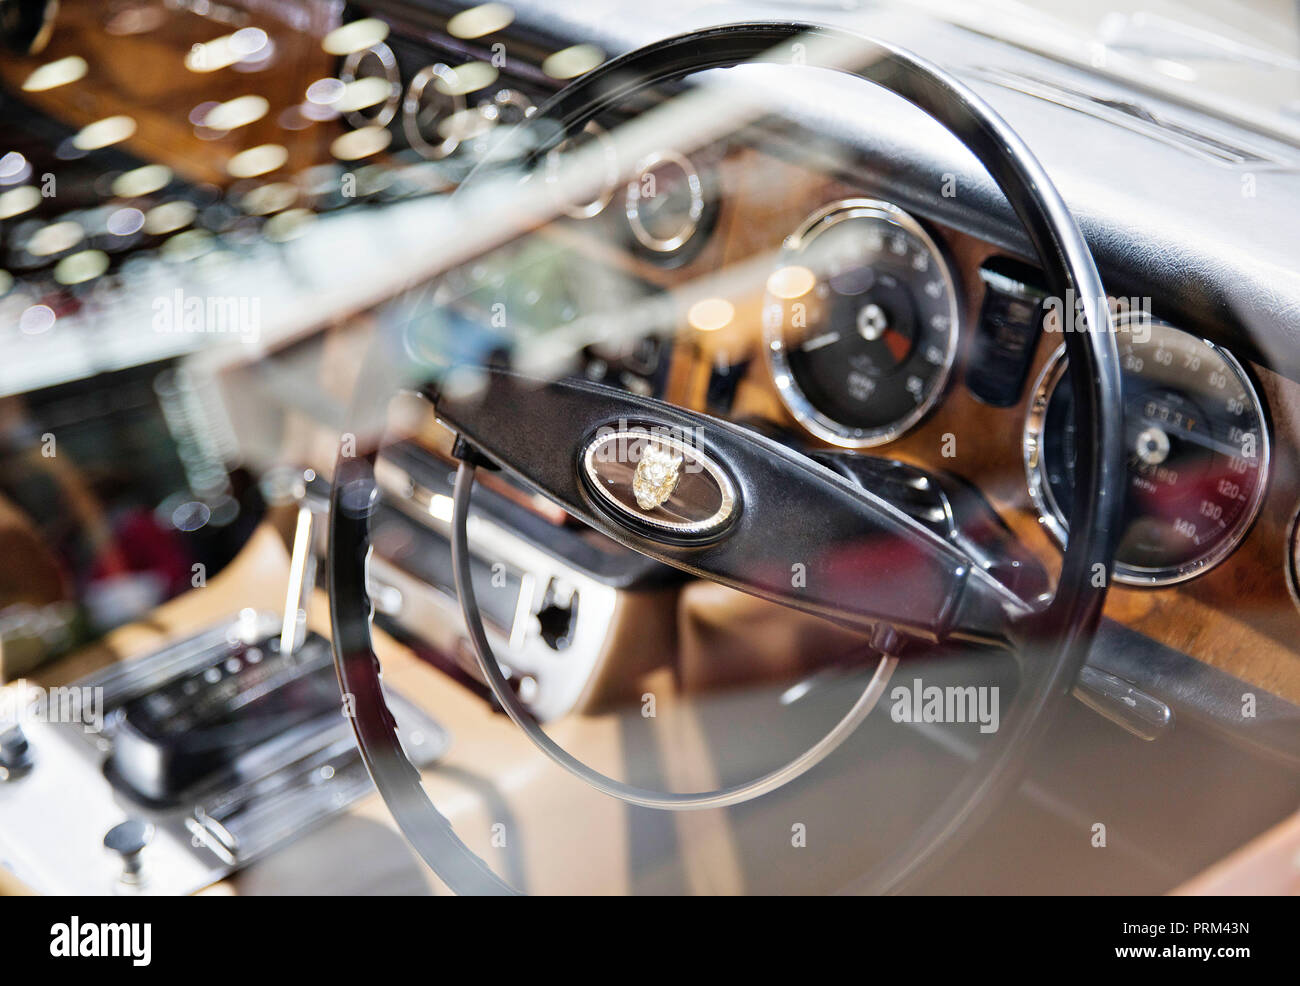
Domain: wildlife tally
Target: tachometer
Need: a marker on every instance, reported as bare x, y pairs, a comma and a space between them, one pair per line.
1198, 452
861, 323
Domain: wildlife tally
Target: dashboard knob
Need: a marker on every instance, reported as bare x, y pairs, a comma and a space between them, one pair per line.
128, 839
15, 752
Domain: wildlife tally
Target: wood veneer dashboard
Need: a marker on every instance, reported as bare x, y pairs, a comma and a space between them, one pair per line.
1239, 616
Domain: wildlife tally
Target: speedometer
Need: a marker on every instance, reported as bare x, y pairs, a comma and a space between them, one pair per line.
861, 323
1197, 452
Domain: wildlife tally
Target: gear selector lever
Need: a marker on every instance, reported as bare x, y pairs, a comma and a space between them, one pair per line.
239, 703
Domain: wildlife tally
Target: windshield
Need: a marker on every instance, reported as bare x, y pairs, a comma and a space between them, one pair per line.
1238, 58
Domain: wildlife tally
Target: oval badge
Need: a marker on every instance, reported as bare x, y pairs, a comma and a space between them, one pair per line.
653, 478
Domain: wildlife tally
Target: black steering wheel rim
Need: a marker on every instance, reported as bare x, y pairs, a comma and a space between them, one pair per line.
1066, 625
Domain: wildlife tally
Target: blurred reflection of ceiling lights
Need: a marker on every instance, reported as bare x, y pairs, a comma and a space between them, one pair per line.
36, 320
219, 53
236, 113
81, 267
293, 118
258, 61
288, 225
124, 222
187, 246
570, 62
467, 78
361, 143
55, 238
357, 36
324, 92
169, 217
316, 113
200, 112
104, 133
377, 61
266, 199
362, 93
711, 314
190, 516
464, 125
257, 161
136, 19
14, 168
18, 200
142, 181
791, 282
56, 73
475, 22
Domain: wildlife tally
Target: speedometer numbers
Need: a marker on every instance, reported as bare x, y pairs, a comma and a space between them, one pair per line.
1197, 453
861, 323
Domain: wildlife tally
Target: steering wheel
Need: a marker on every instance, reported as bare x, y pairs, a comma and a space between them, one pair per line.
721, 502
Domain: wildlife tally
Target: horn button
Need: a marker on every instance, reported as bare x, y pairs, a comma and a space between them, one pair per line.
657, 479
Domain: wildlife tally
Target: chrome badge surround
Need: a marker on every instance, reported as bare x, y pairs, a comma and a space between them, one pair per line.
652, 492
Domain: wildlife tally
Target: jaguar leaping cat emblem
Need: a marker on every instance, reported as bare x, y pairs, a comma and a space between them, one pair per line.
656, 476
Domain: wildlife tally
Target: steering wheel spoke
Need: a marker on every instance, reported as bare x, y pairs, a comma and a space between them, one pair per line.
721, 502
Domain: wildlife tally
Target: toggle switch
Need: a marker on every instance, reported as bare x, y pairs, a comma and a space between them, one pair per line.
128, 839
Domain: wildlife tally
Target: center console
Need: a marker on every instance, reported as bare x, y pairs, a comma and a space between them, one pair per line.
561, 605
163, 773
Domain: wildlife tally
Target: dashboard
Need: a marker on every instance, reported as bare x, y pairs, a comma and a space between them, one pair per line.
871, 315
867, 327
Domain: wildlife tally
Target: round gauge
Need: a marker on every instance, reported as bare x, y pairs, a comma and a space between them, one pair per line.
1293, 558
1198, 452
861, 323
593, 131
425, 110
375, 62
666, 204
509, 107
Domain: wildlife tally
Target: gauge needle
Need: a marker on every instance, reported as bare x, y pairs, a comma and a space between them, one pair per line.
1205, 441
898, 344
817, 342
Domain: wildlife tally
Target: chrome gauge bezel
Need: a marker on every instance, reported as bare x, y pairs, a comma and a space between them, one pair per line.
411, 108
388, 109
592, 209
792, 396
1293, 557
1050, 514
695, 215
